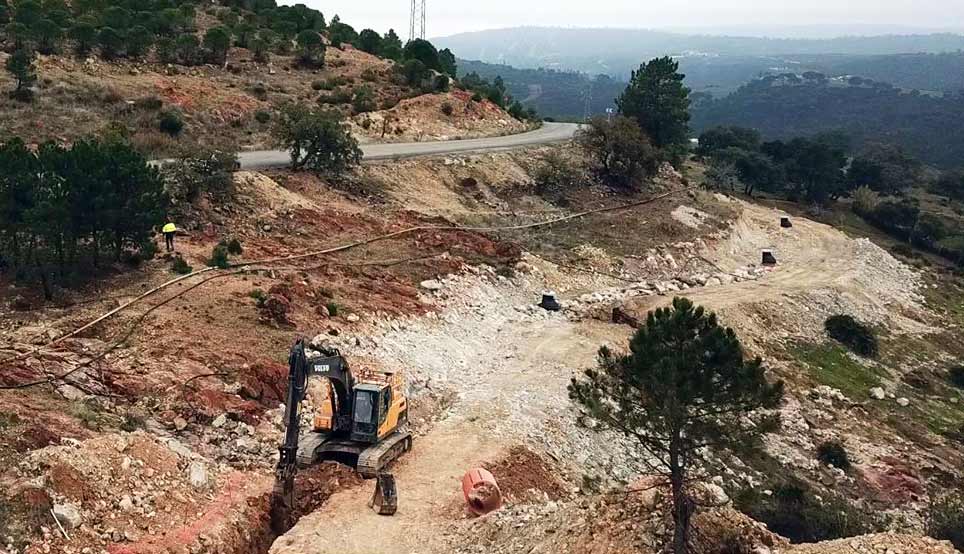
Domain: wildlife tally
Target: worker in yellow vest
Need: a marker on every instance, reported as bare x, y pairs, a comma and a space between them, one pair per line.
169, 230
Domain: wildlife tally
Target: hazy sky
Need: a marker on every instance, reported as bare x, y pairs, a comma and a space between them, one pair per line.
454, 16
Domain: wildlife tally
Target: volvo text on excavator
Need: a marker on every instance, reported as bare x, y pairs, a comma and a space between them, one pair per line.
363, 424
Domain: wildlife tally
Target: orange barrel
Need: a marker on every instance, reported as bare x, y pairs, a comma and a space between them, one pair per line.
481, 491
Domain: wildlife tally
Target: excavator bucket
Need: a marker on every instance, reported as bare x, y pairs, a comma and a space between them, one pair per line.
385, 499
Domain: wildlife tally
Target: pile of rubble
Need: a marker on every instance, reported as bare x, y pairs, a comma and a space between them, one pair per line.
116, 488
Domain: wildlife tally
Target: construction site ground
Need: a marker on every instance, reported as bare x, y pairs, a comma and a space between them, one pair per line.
167, 443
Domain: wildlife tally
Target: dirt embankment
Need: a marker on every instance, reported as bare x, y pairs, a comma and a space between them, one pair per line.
449, 116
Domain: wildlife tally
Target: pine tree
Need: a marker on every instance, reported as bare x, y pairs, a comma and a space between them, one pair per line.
261, 45
684, 386
49, 36
658, 101
446, 60
311, 49
111, 43
139, 40
20, 65
243, 33
187, 49
218, 41
391, 46
84, 35
370, 41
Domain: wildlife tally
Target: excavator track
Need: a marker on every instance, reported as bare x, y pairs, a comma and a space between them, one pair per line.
372, 460
307, 446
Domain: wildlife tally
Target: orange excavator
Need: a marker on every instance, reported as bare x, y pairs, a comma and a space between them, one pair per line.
363, 424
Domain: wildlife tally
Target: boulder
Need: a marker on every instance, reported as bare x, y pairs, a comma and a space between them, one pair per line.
431, 285
877, 393
68, 515
219, 421
198, 475
126, 503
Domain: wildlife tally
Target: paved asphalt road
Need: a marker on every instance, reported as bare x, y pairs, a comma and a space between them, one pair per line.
547, 134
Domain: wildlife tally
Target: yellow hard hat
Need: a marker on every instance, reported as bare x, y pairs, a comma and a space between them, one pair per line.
169, 228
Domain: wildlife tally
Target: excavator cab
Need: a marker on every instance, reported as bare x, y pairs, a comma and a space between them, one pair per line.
369, 412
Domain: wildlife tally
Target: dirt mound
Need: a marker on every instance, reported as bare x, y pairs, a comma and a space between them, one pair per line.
873, 544
449, 116
524, 476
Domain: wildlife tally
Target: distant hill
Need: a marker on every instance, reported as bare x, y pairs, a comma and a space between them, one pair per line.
784, 106
942, 72
617, 51
556, 94
562, 93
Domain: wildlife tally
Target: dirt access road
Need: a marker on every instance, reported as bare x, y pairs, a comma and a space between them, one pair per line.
509, 368
548, 133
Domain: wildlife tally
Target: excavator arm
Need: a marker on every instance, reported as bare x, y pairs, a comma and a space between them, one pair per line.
326, 362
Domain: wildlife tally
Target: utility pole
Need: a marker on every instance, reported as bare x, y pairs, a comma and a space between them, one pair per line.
416, 22
587, 110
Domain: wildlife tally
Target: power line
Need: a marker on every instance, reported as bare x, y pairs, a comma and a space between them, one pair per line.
416, 22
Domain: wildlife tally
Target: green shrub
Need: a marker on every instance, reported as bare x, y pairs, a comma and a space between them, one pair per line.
259, 91
259, 296
865, 201
219, 257
945, 519
332, 308
88, 413
234, 247
180, 266
262, 116
317, 85
206, 171
902, 249
8, 420
855, 335
555, 176
794, 512
149, 103
363, 100
476, 97
441, 83
956, 376
833, 453
447, 108
335, 97
132, 422
171, 123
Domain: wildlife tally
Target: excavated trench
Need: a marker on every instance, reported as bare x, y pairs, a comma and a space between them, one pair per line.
264, 519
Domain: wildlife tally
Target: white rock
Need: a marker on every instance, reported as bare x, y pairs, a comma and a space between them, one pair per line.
877, 393
352, 318
179, 448
180, 423
219, 421
716, 493
126, 504
431, 284
903, 401
68, 515
198, 475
